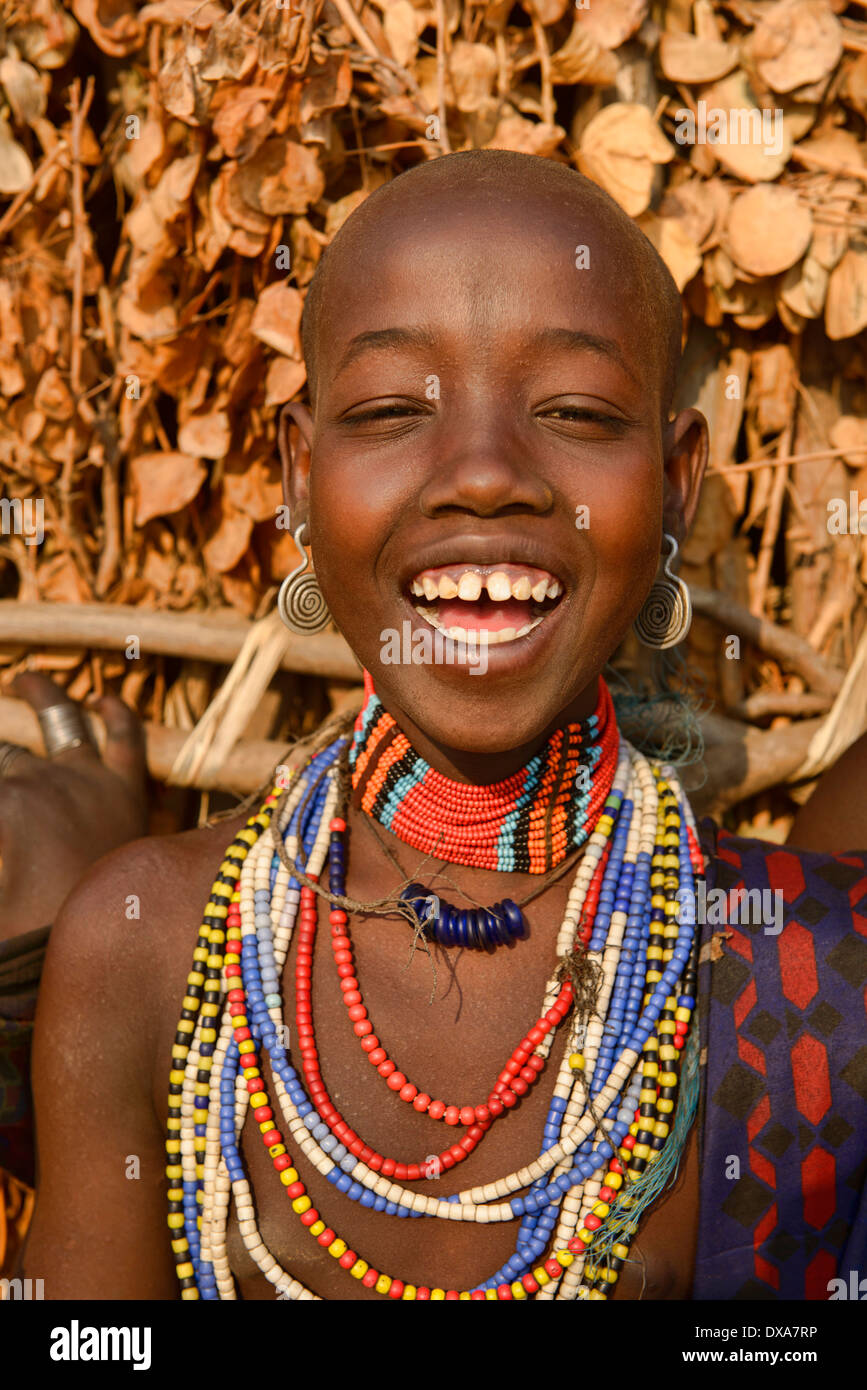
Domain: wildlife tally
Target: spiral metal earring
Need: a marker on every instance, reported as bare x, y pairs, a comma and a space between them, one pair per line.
666, 614
300, 602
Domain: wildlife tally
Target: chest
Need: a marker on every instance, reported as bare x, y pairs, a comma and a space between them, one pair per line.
449, 1020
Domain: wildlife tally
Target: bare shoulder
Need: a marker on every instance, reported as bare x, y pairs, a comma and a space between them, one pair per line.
132, 918
108, 1002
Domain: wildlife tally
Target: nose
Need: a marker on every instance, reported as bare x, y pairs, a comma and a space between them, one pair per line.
483, 468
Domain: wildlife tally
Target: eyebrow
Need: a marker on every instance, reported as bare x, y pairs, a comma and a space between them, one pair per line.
394, 338
577, 340
580, 341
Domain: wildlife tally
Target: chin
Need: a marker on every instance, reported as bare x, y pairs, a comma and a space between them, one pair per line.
475, 715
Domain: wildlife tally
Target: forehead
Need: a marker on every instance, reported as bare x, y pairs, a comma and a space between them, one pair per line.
482, 269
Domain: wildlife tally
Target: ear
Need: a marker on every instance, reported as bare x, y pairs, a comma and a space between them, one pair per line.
686, 454
294, 437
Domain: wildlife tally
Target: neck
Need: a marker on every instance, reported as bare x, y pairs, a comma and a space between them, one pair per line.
528, 819
482, 769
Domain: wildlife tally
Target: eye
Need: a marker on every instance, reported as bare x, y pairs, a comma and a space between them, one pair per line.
393, 411
577, 412
601, 422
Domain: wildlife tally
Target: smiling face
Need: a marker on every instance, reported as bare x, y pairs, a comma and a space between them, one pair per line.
490, 455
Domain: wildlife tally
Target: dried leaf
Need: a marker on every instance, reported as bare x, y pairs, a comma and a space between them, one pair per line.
182, 91
804, 288
797, 42
674, 244
583, 59
244, 121
25, 88
227, 546
340, 210
277, 320
685, 58
53, 396
612, 22
206, 435
47, 36
327, 86
699, 205
196, 14
473, 68
620, 149
846, 304
282, 176
401, 27
849, 433
755, 145
284, 380
768, 229
527, 137
16, 171
113, 24
162, 483
141, 154
254, 487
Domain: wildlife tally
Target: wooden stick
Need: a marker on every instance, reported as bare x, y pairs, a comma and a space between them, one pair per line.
795, 704
741, 762
549, 108
762, 574
445, 144
750, 464
787, 647
213, 636
246, 768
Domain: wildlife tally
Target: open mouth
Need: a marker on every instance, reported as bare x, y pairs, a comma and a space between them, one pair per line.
485, 604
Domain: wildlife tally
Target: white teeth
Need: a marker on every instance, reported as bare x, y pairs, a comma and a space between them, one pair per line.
469, 587
482, 637
498, 586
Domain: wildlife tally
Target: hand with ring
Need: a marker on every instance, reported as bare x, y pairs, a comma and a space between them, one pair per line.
60, 813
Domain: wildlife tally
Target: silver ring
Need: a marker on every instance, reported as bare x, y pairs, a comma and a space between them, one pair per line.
62, 728
8, 753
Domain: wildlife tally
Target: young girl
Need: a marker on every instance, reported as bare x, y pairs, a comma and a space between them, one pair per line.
451, 963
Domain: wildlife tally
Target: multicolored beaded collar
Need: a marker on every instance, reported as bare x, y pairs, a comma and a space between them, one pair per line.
527, 824
623, 1100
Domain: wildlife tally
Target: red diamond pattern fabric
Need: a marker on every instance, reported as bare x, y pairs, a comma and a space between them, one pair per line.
783, 1029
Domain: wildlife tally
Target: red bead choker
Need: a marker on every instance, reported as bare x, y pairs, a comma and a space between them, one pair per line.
527, 823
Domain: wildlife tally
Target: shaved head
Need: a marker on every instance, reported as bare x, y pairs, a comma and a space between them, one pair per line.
503, 178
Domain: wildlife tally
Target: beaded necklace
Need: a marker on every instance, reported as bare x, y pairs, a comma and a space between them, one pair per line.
611, 1137
527, 823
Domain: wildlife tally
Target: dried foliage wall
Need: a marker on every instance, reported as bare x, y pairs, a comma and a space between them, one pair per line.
169, 176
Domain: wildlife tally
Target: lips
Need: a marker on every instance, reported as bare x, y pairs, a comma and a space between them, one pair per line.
491, 603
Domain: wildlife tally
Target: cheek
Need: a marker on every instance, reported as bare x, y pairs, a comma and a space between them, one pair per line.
347, 522
623, 529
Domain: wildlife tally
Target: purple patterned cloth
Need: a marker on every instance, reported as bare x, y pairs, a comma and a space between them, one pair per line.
783, 1102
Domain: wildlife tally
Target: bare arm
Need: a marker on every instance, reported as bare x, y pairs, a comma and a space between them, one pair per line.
99, 1229
835, 817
